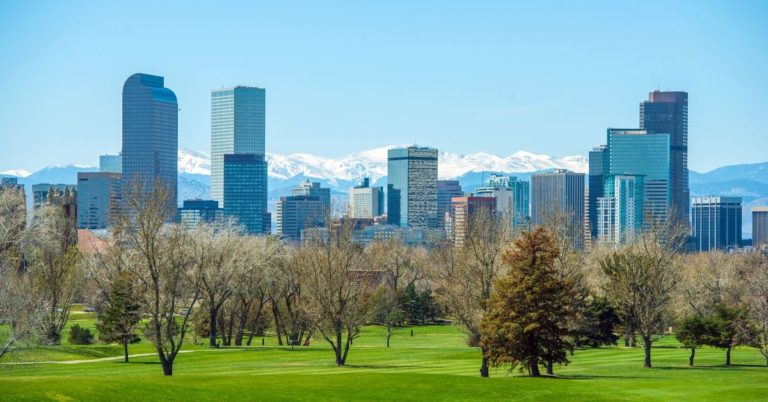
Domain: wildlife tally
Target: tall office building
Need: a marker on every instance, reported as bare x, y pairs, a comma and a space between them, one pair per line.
559, 192
245, 192
195, 212
598, 169
513, 197
759, 226
314, 189
464, 210
98, 199
299, 212
366, 202
412, 187
446, 190
667, 113
636, 153
620, 210
237, 127
150, 135
111, 163
716, 222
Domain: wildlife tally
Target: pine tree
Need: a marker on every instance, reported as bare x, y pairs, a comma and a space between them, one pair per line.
526, 325
117, 321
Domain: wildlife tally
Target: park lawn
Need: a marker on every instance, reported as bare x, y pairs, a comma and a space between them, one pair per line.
434, 364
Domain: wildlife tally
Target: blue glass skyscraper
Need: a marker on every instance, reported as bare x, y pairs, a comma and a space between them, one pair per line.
237, 127
245, 192
150, 134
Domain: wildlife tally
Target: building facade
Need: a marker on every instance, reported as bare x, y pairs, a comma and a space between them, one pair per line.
299, 212
667, 113
716, 223
620, 211
513, 198
245, 192
465, 209
759, 226
150, 136
366, 202
237, 127
559, 193
195, 212
98, 199
412, 187
446, 190
314, 189
42, 192
111, 163
598, 169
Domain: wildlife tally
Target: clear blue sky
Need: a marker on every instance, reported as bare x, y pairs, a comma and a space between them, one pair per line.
548, 77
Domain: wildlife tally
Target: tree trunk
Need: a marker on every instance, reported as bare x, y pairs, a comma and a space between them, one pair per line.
550, 368
213, 314
728, 356
167, 368
533, 369
337, 349
389, 334
647, 348
125, 349
626, 340
484, 366
690, 359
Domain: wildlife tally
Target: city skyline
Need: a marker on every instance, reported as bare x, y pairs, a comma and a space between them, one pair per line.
506, 78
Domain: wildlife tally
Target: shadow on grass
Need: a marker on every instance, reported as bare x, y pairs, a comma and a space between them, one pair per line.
383, 366
715, 367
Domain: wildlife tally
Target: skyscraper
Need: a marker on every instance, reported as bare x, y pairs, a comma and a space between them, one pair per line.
464, 210
366, 202
412, 187
195, 212
667, 113
150, 135
245, 192
298, 212
716, 223
620, 210
559, 192
598, 169
237, 127
636, 153
314, 189
759, 226
446, 190
513, 197
98, 199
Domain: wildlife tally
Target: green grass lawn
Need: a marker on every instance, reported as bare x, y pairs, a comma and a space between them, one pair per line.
434, 364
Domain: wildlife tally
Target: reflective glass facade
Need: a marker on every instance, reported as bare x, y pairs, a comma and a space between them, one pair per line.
237, 127
98, 199
245, 192
716, 222
560, 191
412, 187
150, 134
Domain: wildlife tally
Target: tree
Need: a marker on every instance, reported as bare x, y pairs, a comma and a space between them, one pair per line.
642, 278
336, 285
725, 328
164, 266
121, 313
385, 310
525, 326
287, 299
757, 303
596, 325
692, 332
54, 268
467, 274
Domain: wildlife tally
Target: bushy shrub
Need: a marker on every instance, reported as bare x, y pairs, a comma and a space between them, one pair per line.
80, 336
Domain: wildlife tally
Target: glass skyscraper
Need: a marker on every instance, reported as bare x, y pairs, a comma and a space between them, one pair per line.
237, 127
150, 134
620, 211
667, 113
635, 152
559, 191
111, 163
598, 169
366, 202
716, 223
98, 198
245, 192
412, 187
513, 197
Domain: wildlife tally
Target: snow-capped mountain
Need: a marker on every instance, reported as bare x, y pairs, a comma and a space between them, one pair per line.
16, 173
373, 163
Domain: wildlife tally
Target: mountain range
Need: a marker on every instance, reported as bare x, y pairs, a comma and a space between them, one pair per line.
749, 181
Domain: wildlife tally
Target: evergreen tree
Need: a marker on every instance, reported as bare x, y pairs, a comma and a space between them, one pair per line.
526, 324
597, 324
693, 332
117, 321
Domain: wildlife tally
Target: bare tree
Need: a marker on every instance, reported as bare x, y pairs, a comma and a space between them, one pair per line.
164, 265
336, 284
287, 298
54, 268
14, 301
757, 302
642, 279
468, 274
250, 289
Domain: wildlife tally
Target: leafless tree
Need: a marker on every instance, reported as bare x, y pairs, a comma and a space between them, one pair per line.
336, 283
467, 275
165, 266
757, 302
15, 305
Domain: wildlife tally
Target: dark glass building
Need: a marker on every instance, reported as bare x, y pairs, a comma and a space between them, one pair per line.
446, 190
412, 187
297, 213
598, 170
667, 113
559, 192
245, 192
716, 223
98, 199
195, 212
150, 134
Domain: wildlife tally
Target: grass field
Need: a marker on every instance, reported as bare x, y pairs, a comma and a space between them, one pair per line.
434, 364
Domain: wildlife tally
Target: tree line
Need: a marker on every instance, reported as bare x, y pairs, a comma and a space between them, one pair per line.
526, 299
